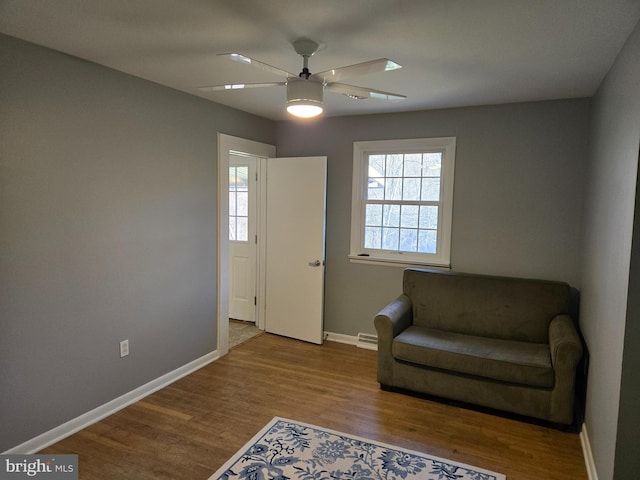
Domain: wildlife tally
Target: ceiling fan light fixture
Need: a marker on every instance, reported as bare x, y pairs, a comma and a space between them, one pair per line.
304, 98
304, 109
305, 91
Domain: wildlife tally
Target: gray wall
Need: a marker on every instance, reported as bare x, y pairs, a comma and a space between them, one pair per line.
517, 203
107, 232
611, 294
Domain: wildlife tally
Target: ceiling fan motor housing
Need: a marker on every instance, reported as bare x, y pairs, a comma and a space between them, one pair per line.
304, 98
304, 91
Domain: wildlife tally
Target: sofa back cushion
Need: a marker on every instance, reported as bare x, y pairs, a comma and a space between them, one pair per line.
483, 305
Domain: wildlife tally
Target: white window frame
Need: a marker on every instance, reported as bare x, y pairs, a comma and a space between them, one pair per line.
361, 152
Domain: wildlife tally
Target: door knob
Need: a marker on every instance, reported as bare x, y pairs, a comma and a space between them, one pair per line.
315, 263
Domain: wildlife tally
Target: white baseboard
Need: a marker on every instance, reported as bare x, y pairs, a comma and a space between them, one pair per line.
340, 338
588, 455
72, 426
348, 339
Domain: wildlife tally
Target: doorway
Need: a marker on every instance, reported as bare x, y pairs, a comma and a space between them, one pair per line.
260, 151
244, 189
291, 194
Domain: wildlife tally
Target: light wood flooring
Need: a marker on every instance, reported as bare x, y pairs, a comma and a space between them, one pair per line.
190, 428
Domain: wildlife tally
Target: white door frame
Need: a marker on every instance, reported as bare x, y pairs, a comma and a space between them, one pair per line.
228, 143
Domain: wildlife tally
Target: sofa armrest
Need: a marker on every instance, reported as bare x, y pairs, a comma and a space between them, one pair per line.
566, 353
390, 321
393, 319
564, 343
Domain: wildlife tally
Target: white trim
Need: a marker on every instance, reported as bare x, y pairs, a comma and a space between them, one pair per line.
261, 272
340, 338
72, 426
361, 152
348, 340
393, 263
588, 454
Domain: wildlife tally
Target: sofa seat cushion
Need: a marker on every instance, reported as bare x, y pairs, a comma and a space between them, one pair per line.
505, 360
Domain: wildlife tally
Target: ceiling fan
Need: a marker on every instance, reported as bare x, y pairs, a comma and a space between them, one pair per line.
305, 90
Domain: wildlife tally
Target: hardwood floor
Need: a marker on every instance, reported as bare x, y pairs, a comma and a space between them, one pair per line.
190, 428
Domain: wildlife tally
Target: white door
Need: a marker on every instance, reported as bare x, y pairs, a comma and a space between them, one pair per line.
295, 231
242, 237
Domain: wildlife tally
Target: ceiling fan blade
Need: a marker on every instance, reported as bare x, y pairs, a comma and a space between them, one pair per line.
240, 86
360, 93
237, 57
372, 66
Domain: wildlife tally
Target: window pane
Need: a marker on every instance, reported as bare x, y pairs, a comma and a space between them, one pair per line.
375, 190
427, 241
373, 215
232, 178
393, 189
430, 189
394, 165
243, 231
376, 165
232, 203
243, 203
241, 177
373, 237
411, 189
428, 217
413, 165
390, 238
409, 218
408, 240
432, 164
232, 228
391, 215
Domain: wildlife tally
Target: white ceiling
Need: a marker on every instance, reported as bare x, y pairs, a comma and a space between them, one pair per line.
454, 52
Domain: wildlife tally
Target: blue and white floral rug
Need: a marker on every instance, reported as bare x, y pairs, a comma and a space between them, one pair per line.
289, 450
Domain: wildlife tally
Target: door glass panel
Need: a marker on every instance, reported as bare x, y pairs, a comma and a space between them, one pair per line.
238, 203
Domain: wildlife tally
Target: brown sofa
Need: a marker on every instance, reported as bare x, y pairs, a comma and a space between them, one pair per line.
505, 343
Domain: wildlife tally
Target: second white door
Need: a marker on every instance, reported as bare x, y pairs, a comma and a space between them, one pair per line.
295, 235
243, 255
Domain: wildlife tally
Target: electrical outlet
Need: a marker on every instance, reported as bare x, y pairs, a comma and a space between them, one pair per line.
124, 348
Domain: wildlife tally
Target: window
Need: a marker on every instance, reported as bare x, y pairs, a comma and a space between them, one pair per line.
238, 203
402, 201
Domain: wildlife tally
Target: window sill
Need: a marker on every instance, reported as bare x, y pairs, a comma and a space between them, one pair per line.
395, 263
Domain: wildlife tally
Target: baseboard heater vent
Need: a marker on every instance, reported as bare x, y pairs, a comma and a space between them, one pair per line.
366, 340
